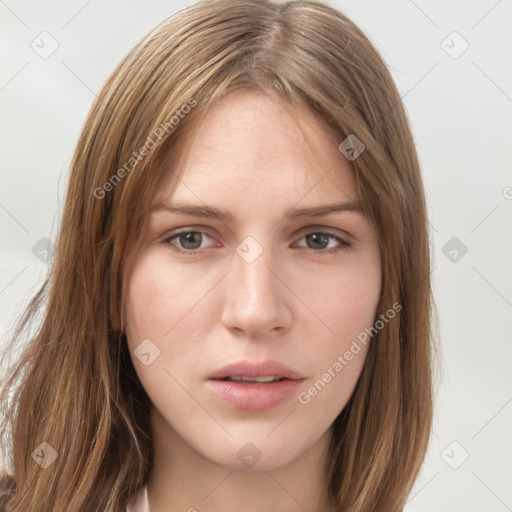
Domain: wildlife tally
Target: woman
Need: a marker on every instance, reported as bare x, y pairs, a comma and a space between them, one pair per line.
283, 362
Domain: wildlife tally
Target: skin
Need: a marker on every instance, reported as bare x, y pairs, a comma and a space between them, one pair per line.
250, 156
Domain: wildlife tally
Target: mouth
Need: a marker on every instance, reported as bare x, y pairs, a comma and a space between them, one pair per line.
256, 371
262, 380
255, 387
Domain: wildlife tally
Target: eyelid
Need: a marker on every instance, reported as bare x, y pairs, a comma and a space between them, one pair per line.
183, 231
308, 228
301, 232
327, 229
345, 240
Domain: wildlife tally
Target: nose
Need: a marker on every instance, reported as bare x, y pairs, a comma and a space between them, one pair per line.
258, 301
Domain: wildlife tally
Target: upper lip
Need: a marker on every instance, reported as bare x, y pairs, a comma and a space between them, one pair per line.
252, 369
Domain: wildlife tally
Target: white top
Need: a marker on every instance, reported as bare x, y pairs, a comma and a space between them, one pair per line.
139, 502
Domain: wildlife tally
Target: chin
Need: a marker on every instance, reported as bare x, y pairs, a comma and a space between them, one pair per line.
258, 454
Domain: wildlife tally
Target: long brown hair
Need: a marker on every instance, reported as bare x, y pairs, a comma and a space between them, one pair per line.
74, 392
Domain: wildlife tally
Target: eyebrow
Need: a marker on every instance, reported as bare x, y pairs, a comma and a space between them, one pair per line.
210, 212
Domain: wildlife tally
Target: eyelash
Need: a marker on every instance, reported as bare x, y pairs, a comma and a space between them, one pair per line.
344, 244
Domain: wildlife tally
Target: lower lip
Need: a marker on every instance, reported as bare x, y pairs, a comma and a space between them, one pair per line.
254, 396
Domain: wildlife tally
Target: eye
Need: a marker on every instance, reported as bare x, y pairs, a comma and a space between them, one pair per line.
190, 241
320, 241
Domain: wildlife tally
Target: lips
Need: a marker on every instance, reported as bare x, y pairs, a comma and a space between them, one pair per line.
250, 369
255, 386
270, 378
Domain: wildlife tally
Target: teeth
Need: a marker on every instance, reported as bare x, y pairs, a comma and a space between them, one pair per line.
255, 379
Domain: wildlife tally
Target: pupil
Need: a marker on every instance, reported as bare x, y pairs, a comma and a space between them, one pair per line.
316, 237
189, 237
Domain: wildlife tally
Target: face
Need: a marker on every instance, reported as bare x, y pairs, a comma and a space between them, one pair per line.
271, 288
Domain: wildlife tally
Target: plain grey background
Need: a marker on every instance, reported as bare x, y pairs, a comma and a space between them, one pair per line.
451, 62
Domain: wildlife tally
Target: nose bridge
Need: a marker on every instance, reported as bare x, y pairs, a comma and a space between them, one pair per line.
255, 302
252, 272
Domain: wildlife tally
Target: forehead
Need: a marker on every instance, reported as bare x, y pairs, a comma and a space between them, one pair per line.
248, 145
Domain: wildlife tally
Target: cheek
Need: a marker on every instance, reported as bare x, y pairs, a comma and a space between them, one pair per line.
144, 302
345, 302
163, 304
156, 298
354, 304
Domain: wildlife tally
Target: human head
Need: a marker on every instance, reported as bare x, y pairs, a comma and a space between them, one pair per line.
257, 286
299, 53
